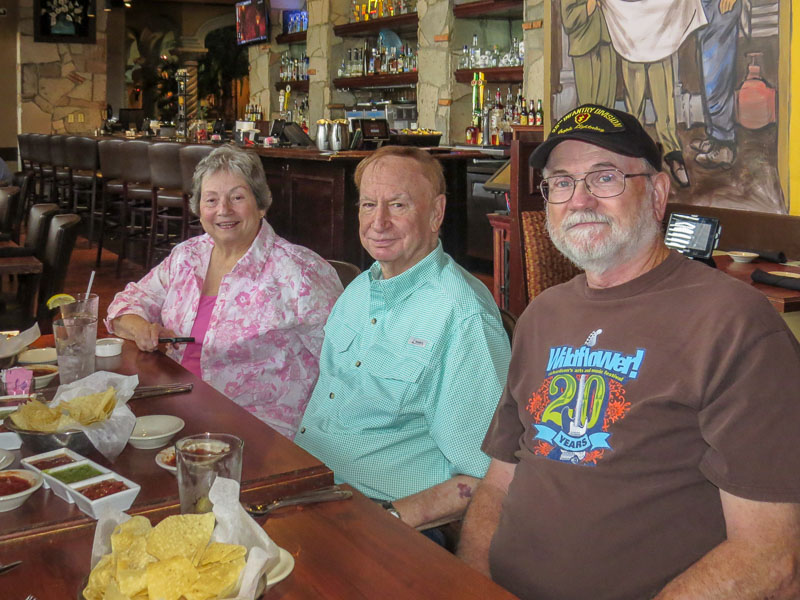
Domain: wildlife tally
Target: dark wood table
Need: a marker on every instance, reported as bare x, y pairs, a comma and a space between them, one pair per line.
342, 550
272, 465
782, 299
29, 266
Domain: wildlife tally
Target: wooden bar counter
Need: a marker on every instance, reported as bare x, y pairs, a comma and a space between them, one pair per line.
342, 550
271, 465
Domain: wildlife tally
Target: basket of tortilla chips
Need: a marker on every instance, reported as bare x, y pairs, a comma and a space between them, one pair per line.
88, 412
224, 554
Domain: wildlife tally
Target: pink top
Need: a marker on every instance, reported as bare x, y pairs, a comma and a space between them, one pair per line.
261, 348
191, 355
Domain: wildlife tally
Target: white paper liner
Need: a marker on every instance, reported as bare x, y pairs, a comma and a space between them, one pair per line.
234, 526
111, 435
17, 343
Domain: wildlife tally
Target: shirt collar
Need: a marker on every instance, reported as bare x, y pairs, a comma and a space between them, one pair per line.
397, 288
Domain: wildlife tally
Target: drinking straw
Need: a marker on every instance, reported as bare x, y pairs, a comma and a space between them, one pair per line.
89, 287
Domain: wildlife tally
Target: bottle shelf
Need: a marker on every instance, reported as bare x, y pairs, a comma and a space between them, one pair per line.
489, 9
492, 75
400, 24
384, 80
291, 38
300, 85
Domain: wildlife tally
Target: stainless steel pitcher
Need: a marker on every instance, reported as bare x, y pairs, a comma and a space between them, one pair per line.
322, 135
339, 136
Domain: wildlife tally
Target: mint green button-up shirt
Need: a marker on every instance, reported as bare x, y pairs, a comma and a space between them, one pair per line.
411, 370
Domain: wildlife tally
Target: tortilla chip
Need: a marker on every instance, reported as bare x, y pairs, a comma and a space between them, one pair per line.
92, 408
99, 578
169, 578
36, 416
217, 552
217, 580
181, 535
126, 533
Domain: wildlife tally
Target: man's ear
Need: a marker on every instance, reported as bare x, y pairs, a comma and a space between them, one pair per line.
661, 187
437, 212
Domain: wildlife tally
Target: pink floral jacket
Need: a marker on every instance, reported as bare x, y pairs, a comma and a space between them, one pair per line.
265, 334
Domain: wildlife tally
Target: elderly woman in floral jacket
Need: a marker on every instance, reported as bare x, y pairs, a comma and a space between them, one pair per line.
254, 303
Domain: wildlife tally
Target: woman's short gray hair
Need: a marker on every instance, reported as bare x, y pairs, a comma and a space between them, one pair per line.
231, 159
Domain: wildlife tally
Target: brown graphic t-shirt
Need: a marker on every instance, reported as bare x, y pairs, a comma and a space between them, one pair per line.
625, 410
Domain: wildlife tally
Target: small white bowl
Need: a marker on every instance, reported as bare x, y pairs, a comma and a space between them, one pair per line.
41, 381
742, 257
166, 459
108, 347
154, 431
13, 501
38, 355
118, 501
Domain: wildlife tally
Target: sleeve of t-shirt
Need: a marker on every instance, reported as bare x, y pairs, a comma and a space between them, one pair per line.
474, 370
502, 438
750, 420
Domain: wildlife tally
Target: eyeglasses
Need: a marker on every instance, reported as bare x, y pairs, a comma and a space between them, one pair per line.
605, 183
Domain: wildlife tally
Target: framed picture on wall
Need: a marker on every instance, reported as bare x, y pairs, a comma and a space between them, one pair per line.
64, 21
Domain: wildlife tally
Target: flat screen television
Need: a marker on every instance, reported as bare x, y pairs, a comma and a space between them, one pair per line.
252, 22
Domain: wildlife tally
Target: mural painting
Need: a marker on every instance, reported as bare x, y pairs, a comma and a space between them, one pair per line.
702, 74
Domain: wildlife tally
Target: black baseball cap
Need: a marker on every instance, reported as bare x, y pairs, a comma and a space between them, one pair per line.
608, 128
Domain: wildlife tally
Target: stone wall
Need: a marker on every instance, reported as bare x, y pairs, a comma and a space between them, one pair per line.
62, 86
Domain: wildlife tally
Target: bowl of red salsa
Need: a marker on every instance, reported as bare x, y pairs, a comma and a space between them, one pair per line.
16, 486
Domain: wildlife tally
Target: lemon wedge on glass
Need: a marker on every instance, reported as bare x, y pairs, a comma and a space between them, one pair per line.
59, 300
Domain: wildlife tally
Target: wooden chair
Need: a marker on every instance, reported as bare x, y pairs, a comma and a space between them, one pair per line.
345, 270
509, 323
545, 266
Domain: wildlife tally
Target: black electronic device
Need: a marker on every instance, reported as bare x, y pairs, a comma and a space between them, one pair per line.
294, 134
694, 236
252, 22
374, 132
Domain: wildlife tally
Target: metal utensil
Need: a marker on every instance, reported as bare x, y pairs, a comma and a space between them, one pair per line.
9, 566
161, 390
327, 494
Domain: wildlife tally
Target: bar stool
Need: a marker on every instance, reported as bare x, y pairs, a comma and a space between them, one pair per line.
190, 157
40, 158
137, 193
59, 174
169, 202
84, 167
25, 179
111, 185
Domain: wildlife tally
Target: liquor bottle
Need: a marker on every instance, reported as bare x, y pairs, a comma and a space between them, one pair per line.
401, 61
539, 115
474, 52
523, 114
496, 117
355, 11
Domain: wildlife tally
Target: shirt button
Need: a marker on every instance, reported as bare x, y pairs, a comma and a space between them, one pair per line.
331, 395
358, 363
303, 430
373, 321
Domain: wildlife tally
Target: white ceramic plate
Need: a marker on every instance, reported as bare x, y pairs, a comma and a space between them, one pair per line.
6, 458
280, 571
163, 456
38, 355
13, 501
154, 431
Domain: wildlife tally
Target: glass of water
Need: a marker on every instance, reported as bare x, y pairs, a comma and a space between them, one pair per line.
75, 340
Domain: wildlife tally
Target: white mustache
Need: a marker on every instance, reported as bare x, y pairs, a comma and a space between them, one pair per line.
586, 216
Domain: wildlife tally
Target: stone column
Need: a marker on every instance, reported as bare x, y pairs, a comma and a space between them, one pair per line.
188, 55
435, 86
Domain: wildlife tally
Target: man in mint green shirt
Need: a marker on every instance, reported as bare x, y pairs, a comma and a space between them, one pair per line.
415, 355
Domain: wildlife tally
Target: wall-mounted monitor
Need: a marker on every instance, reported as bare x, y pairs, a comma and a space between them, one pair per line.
252, 22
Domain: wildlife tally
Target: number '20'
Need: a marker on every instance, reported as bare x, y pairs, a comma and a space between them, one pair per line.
563, 390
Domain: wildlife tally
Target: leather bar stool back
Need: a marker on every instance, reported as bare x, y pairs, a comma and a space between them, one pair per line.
59, 176
24, 141
137, 194
169, 203
190, 157
109, 153
40, 155
84, 168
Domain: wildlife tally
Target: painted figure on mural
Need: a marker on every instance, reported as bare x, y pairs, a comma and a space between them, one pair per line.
594, 59
646, 34
717, 44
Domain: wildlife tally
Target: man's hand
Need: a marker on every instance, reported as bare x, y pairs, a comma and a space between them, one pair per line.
483, 516
726, 6
758, 560
144, 333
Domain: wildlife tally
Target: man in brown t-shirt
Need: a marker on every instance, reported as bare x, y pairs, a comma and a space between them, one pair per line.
645, 442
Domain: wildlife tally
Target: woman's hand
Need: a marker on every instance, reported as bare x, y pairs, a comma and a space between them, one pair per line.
144, 333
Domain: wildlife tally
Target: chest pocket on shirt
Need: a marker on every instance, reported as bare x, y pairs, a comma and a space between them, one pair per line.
387, 386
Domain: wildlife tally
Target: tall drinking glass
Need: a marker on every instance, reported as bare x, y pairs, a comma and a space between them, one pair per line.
199, 460
75, 339
85, 305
